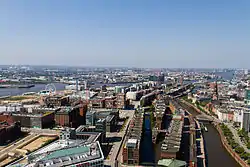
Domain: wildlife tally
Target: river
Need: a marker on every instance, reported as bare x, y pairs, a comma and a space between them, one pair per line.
19, 91
225, 75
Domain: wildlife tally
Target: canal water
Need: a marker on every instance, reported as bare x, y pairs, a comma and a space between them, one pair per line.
19, 91
217, 154
147, 148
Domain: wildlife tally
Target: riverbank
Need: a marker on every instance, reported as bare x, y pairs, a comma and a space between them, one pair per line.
224, 142
229, 148
37, 88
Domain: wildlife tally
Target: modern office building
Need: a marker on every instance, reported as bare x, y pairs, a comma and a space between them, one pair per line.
247, 96
100, 125
81, 155
90, 117
246, 121
110, 123
66, 151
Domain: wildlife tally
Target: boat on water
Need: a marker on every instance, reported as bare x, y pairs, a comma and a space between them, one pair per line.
17, 86
44, 92
29, 93
25, 86
205, 129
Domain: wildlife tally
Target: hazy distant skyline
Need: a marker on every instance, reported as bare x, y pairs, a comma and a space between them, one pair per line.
132, 33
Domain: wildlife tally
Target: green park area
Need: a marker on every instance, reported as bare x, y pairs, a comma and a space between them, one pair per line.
16, 98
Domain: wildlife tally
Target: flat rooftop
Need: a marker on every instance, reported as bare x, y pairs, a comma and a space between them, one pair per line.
57, 154
72, 155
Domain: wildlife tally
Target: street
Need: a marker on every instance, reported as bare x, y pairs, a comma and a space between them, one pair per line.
116, 137
237, 138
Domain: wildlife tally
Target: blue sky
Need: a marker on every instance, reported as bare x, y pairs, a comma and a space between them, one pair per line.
134, 33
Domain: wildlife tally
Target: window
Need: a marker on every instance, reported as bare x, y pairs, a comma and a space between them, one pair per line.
130, 153
130, 162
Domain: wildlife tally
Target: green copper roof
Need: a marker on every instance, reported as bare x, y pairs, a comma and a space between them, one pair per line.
67, 152
171, 163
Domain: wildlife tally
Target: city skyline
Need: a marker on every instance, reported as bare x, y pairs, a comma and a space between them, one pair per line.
147, 34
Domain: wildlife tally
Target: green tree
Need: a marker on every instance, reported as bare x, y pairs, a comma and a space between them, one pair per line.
248, 145
248, 161
234, 145
244, 155
241, 132
239, 150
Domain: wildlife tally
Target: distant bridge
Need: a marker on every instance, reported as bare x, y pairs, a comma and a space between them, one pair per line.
204, 118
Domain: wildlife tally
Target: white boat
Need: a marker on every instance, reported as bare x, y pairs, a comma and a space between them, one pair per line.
205, 128
28, 93
44, 92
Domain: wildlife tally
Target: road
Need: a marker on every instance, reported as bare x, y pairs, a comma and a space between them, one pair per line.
237, 138
116, 144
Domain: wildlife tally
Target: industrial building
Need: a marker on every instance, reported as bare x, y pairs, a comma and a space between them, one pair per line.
56, 101
35, 118
131, 149
97, 103
6, 117
171, 144
110, 102
121, 101
9, 132
160, 109
71, 116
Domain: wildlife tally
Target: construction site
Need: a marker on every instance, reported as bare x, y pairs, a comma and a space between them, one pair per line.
24, 146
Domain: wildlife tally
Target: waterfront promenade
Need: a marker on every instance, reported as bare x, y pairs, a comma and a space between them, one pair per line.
237, 138
229, 148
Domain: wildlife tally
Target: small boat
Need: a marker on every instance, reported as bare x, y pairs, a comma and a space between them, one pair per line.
26, 86
205, 128
44, 92
29, 93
